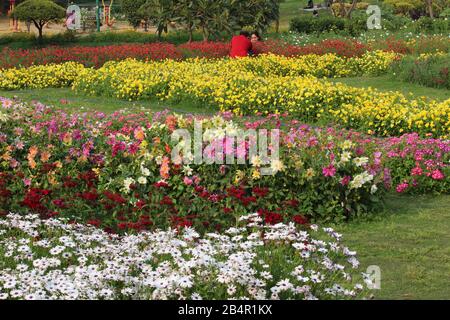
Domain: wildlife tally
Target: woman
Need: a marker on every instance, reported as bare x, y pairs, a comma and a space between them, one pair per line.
241, 45
255, 38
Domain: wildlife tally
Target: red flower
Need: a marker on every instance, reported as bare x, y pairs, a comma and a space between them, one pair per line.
298, 219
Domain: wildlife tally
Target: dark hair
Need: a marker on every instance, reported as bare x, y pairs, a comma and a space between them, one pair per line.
244, 33
256, 33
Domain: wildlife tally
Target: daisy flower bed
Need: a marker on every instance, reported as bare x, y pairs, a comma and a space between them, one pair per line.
52, 259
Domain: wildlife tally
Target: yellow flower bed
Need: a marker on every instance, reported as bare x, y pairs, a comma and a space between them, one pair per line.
267, 84
42, 76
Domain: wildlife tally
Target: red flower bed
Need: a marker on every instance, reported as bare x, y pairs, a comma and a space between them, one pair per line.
345, 48
97, 56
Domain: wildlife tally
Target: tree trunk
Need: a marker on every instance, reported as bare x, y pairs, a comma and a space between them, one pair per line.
342, 10
191, 32
430, 8
205, 34
277, 26
39, 26
40, 37
349, 12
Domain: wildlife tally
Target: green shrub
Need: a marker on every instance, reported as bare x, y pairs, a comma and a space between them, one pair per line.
428, 70
429, 25
310, 24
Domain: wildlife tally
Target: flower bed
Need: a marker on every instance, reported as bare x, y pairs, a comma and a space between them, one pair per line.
59, 75
271, 84
54, 260
268, 84
97, 56
116, 171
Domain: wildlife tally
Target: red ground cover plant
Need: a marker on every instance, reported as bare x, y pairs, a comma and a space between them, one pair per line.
97, 56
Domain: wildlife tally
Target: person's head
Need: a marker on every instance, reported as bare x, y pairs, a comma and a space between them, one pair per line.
255, 37
245, 34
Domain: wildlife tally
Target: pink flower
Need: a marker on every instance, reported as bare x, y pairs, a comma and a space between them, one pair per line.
437, 175
417, 171
346, 180
402, 187
187, 181
197, 180
329, 171
27, 182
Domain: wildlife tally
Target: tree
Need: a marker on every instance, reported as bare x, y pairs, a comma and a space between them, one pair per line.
429, 4
131, 10
258, 14
277, 20
346, 10
39, 12
159, 13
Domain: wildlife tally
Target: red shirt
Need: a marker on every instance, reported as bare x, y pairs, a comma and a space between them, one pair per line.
240, 46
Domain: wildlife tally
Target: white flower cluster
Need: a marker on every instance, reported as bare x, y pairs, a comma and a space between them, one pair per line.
51, 259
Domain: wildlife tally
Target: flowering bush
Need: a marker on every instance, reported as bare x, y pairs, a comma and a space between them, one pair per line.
54, 260
117, 171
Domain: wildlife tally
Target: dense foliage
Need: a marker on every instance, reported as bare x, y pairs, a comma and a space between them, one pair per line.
39, 12
432, 70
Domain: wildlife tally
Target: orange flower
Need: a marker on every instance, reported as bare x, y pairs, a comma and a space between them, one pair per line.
51, 179
6, 156
165, 169
171, 122
32, 152
67, 139
45, 156
139, 134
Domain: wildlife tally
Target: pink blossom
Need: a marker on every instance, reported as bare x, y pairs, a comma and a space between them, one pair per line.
329, 171
187, 181
437, 175
27, 182
402, 187
346, 180
417, 171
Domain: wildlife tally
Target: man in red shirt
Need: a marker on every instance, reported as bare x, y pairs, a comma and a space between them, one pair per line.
241, 45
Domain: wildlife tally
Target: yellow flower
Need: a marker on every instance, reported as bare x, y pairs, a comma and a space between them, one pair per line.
256, 174
310, 173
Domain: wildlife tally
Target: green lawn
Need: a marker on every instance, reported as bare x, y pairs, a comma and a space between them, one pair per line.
411, 244
388, 83
69, 100
290, 9
78, 102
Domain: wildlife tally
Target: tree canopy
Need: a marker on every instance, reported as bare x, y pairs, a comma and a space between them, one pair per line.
39, 12
211, 17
